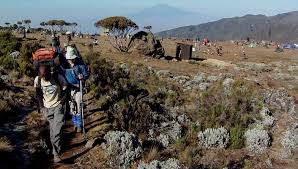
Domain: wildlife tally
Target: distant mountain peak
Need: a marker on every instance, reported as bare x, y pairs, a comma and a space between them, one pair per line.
162, 17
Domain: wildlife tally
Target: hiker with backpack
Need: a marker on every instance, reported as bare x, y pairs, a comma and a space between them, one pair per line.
76, 75
50, 87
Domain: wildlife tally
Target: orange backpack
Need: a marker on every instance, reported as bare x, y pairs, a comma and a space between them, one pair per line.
44, 54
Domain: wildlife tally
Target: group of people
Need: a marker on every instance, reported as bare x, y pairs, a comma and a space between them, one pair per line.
59, 88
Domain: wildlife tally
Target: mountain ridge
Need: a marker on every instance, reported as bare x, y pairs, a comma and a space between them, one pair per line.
280, 27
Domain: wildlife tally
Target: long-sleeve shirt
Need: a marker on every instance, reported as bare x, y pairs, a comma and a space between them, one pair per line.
73, 73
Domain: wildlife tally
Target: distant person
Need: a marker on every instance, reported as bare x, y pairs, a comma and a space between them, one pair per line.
49, 91
68, 35
56, 42
77, 72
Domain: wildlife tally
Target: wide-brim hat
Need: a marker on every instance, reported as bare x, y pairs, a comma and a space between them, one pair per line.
71, 53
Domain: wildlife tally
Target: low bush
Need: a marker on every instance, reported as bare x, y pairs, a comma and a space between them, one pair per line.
131, 94
236, 109
236, 137
25, 61
7, 62
8, 43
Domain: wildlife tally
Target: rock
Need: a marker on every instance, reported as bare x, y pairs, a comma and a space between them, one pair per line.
290, 140
281, 100
169, 164
257, 140
228, 84
122, 147
214, 138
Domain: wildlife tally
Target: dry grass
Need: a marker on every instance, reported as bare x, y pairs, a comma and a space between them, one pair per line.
5, 145
153, 154
35, 119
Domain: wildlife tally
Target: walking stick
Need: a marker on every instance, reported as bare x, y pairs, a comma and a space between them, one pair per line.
82, 108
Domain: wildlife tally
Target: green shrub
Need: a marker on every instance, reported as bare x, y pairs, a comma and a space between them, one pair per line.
25, 61
7, 62
236, 137
216, 109
8, 43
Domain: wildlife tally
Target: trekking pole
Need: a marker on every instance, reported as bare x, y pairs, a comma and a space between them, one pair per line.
82, 108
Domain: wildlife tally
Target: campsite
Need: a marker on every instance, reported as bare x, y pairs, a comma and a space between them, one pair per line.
174, 99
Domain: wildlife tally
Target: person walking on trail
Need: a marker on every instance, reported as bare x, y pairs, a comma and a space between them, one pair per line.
49, 90
77, 72
68, 35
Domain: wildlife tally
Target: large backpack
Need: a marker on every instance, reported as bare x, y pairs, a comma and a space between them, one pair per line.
48, 56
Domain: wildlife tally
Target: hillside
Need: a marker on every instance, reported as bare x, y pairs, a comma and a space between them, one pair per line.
143, 113
282, 27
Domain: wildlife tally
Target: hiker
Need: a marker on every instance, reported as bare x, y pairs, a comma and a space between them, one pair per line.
68, 35
49, 91
56, 42
77, 72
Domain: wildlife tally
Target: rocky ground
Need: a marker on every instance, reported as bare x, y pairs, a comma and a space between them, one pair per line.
224, 112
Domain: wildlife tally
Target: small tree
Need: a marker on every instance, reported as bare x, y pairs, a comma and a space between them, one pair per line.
20, 23
56, 24
148, 28
27, 22
119, 28
42, 24
15, 26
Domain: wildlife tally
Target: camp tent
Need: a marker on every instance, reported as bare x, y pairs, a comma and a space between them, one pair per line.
289, 46
252, 45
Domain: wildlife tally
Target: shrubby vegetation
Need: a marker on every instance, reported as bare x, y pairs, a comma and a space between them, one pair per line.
131, 93
23, 64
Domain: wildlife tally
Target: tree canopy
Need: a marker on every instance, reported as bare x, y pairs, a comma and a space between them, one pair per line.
119, 28
117, 23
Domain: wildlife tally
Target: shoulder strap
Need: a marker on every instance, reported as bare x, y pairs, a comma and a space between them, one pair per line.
38, 81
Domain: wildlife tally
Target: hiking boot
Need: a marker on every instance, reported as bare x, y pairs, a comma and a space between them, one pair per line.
57, 159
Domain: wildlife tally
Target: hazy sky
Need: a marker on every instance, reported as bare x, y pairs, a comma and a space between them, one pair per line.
39, 10
220, 6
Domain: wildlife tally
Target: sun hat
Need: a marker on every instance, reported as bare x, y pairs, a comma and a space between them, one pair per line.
68, 33
71, 53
